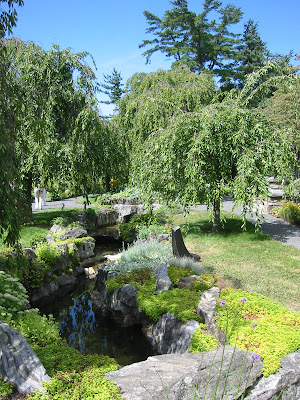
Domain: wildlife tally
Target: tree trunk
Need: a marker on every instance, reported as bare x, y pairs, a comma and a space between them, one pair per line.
216, 211
26, 199
107, 185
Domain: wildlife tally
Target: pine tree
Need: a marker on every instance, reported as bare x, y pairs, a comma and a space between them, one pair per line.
252, 52
112, 87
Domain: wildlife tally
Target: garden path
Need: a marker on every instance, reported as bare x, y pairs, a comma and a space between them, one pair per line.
279, 230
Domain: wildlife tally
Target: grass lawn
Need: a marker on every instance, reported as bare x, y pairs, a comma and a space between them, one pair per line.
248, 260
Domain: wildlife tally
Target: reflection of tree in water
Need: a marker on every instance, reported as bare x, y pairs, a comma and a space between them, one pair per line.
79, 323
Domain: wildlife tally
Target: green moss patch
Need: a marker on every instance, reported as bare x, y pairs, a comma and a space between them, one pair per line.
177, 272
6, 389
256, 323
141, 278
74, 376
202, 340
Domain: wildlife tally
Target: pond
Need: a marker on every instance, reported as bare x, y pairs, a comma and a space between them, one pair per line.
91, 334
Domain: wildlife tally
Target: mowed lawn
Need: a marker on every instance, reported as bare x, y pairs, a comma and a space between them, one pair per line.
244, 259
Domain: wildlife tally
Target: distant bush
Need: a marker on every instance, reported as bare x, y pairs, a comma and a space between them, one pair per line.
37, 239
292, 191
129, 230
289, 211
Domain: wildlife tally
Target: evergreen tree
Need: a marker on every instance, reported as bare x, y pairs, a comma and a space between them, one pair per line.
112, 87
252, 52
195, 39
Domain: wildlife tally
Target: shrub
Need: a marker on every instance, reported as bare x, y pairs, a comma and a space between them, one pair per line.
202, 340
62, 221
177, 272
130, 229
144, 231
34, 274
292, 191
259, 324
142, 255
48, 253
36, 240
13, 297
38, 330
289, 211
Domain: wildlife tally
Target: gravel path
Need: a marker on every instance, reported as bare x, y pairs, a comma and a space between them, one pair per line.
279, 230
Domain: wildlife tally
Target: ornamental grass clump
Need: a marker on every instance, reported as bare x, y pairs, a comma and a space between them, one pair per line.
142, 254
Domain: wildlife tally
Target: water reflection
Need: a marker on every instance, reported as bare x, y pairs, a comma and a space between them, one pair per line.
90, 334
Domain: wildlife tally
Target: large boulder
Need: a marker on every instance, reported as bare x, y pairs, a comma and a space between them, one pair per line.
170, 335
126, 211
18, 362
73, 234
188, 376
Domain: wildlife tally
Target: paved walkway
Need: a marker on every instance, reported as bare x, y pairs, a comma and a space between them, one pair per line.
279, 230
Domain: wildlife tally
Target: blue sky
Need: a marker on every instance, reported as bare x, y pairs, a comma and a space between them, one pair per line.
112, 30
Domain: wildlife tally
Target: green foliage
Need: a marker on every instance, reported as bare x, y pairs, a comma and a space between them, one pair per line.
139, 278
13, 297
6, 389
276, 333
141, 255
177, 272
112, 87
85, 385
289, 211
202, 340
143, 232
130, 229
201, 40
34, 274
48, 253
204, 282
37, 239
38, 330
199, 155
182, 303
62, 221
292, 191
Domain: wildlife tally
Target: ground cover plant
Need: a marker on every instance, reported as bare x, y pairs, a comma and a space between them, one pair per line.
244, 259
256, 323
288, 211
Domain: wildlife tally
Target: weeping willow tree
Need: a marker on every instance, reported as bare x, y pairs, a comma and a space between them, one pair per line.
151, 100
200, 154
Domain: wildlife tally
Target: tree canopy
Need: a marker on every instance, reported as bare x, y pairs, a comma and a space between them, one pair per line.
201, 41
112, 87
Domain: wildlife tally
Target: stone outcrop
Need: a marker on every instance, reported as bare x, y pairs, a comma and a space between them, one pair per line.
92, 222
162, 280
73, 234
126, 211
170, 335
188, 376
18, 362
286, 382
206, 310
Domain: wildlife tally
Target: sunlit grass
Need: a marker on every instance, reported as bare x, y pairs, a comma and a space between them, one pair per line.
245, 259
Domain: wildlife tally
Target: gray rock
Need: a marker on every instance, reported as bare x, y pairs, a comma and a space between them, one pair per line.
125, 308
29, 253
162, 280
59, 229
50, 238
170, 335
188, 376
45, 294
74, 234
66, 280
187, 281
206, 310
85, 249
125, 211
287, 381
19, 363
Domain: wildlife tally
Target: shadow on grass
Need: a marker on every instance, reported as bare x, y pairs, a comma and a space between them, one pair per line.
231, 228
45, 218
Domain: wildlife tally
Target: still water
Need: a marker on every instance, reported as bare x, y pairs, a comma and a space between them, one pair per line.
89, 334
